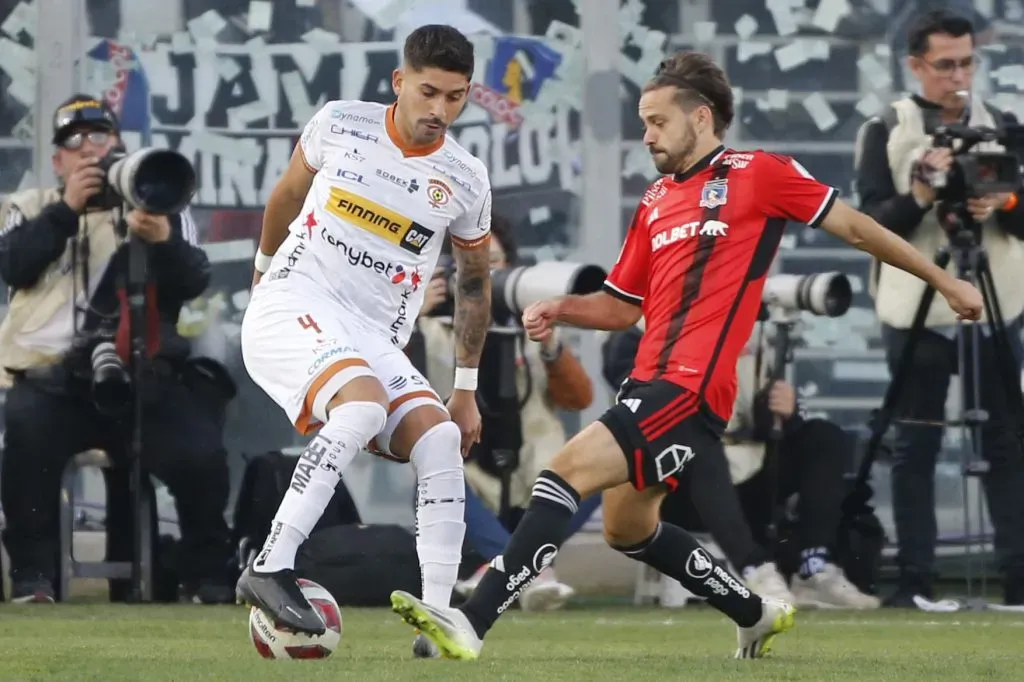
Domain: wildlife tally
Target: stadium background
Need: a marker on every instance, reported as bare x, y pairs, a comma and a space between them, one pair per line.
230, 84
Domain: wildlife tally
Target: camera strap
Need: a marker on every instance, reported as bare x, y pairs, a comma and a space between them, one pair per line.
150, 313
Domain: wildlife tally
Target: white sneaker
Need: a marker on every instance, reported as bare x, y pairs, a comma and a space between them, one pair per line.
545, 593
756, 641
447, 628
829, 589
424, 648
766, 581
464, 588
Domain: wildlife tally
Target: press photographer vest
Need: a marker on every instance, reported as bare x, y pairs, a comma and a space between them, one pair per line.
30, 310
896, 292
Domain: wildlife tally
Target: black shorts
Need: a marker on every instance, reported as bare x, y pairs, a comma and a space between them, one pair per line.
661, 426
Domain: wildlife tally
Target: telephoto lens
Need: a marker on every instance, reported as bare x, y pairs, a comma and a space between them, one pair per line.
111, 385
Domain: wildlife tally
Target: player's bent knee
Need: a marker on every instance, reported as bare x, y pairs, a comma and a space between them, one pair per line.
414, 426
438, 450
364, 416
629, 517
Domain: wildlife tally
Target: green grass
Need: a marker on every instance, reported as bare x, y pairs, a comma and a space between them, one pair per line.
191, 643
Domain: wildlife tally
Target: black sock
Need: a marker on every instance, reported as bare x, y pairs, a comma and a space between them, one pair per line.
674, 552
531, 549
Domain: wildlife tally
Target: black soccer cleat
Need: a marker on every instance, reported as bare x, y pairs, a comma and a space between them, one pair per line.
279, 596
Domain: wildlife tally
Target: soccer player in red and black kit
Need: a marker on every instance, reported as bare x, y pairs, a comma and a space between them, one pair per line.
693, 265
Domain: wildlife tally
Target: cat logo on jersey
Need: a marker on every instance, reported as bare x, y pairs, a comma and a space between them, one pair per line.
374, 218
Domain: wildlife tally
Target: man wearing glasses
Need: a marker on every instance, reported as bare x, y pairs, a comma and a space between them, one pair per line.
896, 167
64, 260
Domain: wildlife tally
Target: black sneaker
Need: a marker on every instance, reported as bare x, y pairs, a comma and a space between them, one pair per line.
910, 585
278, 595
1013, 588
34, 589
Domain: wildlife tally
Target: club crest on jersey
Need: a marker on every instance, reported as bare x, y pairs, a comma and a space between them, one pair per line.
438, 192
715, 193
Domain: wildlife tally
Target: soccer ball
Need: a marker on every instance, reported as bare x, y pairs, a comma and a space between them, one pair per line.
273, 642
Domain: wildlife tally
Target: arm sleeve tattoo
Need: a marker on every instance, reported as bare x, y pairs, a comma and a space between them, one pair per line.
472, 304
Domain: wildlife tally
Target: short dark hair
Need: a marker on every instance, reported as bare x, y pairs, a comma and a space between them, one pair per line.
441, 47
940, 21
699, 81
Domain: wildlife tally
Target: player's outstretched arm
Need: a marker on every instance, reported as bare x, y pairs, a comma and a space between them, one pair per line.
593, 311
599, 310
863, 232
472, 302
284, 203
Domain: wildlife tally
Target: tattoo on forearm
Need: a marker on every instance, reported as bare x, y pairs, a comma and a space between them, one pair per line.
472, 305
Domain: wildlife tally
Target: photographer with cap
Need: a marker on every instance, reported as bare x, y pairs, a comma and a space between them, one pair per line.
897, 163
64, 256
810, 462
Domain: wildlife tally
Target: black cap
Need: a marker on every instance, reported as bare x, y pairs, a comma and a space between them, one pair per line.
82, 110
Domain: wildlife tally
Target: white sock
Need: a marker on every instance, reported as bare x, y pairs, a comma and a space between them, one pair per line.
349, 427
440, 510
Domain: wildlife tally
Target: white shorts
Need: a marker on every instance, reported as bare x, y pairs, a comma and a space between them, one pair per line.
301, 348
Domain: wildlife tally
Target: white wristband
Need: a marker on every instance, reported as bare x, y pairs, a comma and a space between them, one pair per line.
465, 378
262, 261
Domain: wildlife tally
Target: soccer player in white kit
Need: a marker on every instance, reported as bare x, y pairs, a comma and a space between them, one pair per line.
355, 226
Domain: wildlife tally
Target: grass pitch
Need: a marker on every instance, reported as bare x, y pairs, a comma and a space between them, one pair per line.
108, 643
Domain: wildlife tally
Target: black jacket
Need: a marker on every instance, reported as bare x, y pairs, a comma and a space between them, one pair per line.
178, 267
900, 212
618, 353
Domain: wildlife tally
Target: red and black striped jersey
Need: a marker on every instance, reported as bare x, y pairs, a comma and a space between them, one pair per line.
696, 257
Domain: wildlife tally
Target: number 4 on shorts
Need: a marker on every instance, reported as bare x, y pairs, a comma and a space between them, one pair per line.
307, 322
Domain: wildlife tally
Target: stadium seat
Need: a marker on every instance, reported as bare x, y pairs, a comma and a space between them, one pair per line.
108, 570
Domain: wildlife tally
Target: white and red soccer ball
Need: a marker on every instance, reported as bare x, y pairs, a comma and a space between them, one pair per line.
272, 642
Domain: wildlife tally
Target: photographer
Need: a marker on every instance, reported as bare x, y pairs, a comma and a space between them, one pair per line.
898, 168
702, 502
811, 458
549, 377
65, 260
809, 463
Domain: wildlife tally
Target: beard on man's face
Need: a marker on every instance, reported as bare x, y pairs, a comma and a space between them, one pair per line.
671, 160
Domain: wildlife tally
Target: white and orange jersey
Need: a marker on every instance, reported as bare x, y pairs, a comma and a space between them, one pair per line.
373, 223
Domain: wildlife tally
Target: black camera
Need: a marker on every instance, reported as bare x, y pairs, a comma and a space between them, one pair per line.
111, 386
516, 288
975, 174
159, 181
